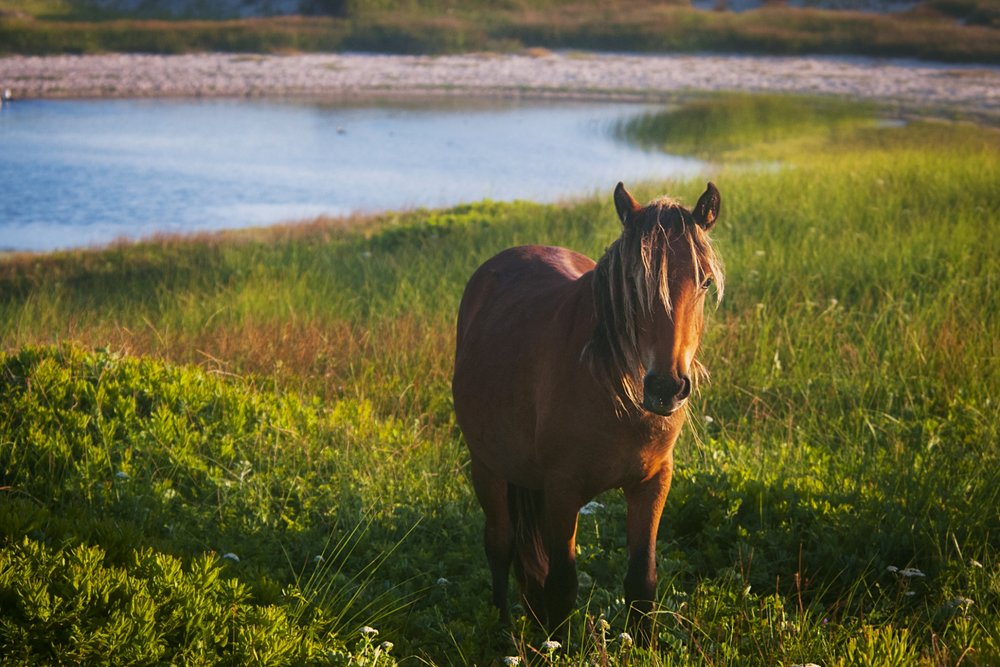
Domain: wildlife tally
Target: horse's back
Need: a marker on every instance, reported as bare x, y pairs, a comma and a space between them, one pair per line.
513, 282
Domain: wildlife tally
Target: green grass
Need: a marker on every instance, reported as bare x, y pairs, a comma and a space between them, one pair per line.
950, 30
283, 394
768, 123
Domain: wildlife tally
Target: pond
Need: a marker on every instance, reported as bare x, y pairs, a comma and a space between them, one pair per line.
79, 173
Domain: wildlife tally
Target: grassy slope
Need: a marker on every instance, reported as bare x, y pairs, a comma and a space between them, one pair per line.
952, 30
853, 424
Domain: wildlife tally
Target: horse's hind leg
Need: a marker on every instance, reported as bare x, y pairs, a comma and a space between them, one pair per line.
498, 537
561, 510
531, 562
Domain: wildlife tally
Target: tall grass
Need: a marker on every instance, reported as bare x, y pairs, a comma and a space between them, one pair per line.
263, 392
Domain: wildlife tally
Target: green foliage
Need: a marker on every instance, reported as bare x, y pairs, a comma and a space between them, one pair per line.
67, 606
285, 395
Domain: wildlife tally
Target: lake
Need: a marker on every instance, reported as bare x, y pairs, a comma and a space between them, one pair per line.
80, 173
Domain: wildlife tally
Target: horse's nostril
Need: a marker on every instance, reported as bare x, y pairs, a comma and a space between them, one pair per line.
685, 389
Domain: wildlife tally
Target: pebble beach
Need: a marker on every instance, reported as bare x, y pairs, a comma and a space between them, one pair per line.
912, 85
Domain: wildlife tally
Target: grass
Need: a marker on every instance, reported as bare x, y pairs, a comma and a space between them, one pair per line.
283, 394
950, 30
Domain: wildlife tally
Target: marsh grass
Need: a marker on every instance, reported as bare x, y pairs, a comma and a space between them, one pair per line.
948, 30
266, 393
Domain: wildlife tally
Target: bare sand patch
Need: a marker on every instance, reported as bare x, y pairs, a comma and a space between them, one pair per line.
950, 88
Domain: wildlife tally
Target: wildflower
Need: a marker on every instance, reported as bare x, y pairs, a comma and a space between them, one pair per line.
318, 558
551, 645
231, 556
708, 419
386, 646
626, 639
911, 572
591, 507
121, 474
603, 625
511, 661
369, 631
442, 582
961, 603
893, 569
975, 563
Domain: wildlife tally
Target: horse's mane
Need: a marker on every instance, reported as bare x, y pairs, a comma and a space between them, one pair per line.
631, 280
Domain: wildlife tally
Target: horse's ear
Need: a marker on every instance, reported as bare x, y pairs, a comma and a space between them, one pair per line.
625, 204
706, 211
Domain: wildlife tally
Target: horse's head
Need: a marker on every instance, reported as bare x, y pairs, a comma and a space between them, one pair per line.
650, 290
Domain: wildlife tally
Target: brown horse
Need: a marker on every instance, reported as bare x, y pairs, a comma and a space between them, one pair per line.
571, 378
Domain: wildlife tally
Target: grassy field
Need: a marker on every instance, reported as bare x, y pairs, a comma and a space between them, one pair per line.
951, 30
240, 448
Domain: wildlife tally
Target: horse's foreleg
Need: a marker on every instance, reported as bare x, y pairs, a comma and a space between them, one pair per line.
498, 537
560, 543
645, 505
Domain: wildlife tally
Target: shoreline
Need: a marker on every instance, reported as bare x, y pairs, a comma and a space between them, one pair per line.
911, 85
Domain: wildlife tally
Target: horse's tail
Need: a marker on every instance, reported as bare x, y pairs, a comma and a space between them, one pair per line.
531, 562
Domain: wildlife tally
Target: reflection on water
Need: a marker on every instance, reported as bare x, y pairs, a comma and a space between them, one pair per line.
78, 173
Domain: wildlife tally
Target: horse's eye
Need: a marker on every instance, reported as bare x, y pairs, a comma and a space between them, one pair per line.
708, 282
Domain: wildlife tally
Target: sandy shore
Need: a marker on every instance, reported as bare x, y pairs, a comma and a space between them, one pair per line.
912, 85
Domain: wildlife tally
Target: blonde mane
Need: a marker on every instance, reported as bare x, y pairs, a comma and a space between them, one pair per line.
631, 280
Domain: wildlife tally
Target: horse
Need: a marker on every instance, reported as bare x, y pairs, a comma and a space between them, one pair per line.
571, 378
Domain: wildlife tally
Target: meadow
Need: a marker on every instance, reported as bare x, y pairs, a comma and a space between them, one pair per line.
240, 449
947, 30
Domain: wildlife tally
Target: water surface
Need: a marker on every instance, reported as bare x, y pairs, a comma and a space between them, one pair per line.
77, 173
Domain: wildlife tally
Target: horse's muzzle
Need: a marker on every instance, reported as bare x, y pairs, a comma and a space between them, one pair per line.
663, 394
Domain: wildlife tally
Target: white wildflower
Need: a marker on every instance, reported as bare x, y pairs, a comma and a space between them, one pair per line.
708, 419
893, 569
231, 556
626, 639
121, 474
511, 661
591, 508
551, 645
318, 558
911, 572
369, 631
442, 582
386, 646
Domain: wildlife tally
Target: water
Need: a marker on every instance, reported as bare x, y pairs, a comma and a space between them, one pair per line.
79, 173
